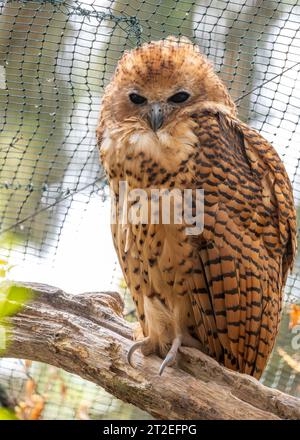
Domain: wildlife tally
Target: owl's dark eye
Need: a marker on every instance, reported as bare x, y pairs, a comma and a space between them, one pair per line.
179, 97
137, 99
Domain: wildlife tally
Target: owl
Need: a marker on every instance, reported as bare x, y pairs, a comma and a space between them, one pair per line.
167, 122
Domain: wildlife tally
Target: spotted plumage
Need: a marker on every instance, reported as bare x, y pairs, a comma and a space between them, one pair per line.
219, 291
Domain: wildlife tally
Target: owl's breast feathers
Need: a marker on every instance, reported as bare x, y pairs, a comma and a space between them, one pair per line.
225, 285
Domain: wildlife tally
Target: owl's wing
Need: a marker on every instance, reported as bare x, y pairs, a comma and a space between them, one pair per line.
248, 243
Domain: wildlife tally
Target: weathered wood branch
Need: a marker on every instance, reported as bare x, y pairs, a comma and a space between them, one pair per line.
86, 334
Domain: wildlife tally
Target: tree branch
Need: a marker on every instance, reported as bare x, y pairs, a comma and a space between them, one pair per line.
86, 334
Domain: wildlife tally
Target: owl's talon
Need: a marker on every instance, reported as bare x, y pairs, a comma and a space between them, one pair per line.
134, 347
171, 356
168, 360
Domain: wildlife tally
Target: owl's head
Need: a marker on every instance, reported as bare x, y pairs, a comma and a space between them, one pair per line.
155, 83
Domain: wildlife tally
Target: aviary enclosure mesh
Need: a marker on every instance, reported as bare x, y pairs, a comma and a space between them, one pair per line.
55, 58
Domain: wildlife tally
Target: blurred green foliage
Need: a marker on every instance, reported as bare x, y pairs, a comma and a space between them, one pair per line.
12, 296
7, 414
12, 299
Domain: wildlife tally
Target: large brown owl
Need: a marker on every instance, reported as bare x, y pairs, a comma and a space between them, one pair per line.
167, 121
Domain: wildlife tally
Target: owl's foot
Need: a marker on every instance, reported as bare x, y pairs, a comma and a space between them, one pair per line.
148, 346
170, 358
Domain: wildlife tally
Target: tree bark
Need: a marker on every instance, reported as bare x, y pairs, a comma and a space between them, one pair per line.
87, 335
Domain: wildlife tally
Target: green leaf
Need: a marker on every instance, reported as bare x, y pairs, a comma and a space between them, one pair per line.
12, 299
10, 240
7, 414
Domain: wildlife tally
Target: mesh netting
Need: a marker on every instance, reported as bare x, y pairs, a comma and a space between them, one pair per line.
55, 58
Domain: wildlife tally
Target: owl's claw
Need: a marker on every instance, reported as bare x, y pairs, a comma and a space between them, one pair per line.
134, 347
172, 354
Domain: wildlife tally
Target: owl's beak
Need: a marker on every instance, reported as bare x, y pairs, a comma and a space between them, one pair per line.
156, 116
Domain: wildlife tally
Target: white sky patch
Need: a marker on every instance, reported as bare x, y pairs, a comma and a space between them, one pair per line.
85, 259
